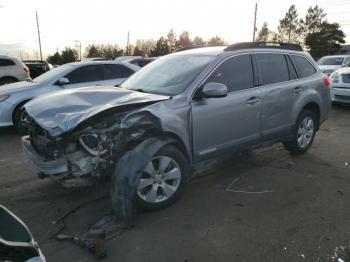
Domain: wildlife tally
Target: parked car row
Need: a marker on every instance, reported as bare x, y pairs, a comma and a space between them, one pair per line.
338, 68
73, 75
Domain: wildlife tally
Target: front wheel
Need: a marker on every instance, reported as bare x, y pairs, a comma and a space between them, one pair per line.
163, 180
303, 133
20, 118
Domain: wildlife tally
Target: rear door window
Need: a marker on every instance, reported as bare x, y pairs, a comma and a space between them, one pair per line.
92, 73
273, 68
6, 62
236, 73
116, 71
304, 67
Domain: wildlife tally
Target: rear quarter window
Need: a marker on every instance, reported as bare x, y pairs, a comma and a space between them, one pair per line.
6, 62
304, 67
116, 71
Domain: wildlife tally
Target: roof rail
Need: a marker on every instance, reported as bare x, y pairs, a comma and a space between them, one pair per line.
188, 48
273, 45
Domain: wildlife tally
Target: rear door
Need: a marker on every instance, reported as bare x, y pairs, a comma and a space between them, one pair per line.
222, 124
90, 75
280, 89
115, 74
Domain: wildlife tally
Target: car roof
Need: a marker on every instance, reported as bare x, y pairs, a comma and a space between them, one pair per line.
82, 63
215, 50
329, 56
7, 57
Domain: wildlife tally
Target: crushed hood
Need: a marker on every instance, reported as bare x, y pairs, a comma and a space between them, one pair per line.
17, 87
62, 111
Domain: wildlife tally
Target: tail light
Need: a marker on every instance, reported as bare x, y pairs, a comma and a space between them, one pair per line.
26, 69
326, 81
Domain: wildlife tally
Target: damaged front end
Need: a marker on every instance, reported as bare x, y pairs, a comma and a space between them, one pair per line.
81, 157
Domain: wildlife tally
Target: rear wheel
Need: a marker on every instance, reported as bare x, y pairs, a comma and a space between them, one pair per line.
163, 180
303, 133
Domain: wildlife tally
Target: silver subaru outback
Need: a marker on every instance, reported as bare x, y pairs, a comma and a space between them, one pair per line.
150, 133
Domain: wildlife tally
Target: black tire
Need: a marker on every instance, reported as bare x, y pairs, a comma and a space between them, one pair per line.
175, 154
17, 119
7, 80
293, 145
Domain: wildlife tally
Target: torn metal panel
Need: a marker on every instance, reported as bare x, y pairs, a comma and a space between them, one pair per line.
62, 111
127, 175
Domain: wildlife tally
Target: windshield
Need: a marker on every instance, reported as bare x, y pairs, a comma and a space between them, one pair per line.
169, 75
331, 61
52, 74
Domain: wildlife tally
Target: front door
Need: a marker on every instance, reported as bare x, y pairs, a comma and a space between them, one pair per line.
221, 124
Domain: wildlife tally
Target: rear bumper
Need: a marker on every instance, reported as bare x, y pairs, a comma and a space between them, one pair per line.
54, 167
340, 95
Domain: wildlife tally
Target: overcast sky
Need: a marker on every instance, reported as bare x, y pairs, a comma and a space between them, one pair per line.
108, 21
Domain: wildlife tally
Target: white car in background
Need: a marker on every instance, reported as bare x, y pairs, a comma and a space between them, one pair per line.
12, 70
340, 91
329, 64
73, 75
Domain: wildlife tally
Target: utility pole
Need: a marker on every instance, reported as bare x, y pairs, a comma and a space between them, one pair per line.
78, 45
255, 13
37, 25
127, 44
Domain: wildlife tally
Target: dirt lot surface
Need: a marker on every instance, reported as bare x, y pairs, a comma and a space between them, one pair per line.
298, 208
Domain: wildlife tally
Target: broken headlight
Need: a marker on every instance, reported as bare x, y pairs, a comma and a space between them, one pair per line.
96, 145
100, 138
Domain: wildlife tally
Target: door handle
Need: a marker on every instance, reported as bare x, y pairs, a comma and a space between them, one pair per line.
297, 90
253, 100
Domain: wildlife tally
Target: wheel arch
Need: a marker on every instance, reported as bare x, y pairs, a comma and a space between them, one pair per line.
19, 105
315, 108
9, 77
163, 135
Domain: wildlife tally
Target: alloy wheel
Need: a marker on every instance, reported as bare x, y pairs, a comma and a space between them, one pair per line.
305, 132
160, 180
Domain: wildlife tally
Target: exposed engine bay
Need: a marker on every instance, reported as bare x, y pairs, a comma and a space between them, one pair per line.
78, 158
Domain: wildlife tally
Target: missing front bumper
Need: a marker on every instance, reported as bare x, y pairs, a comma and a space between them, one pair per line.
52, 167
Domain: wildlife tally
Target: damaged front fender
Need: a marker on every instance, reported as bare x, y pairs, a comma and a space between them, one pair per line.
127, 175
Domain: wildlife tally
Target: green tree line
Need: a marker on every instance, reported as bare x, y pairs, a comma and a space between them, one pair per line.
313, 31
142, 47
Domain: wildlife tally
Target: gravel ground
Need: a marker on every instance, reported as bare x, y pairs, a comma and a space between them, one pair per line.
300, 210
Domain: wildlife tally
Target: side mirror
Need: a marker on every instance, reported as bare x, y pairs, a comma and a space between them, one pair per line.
214, 90
63, 81
15, 239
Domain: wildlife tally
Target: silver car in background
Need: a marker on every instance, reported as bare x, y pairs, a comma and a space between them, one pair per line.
329, 64
73, 75
340, 91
